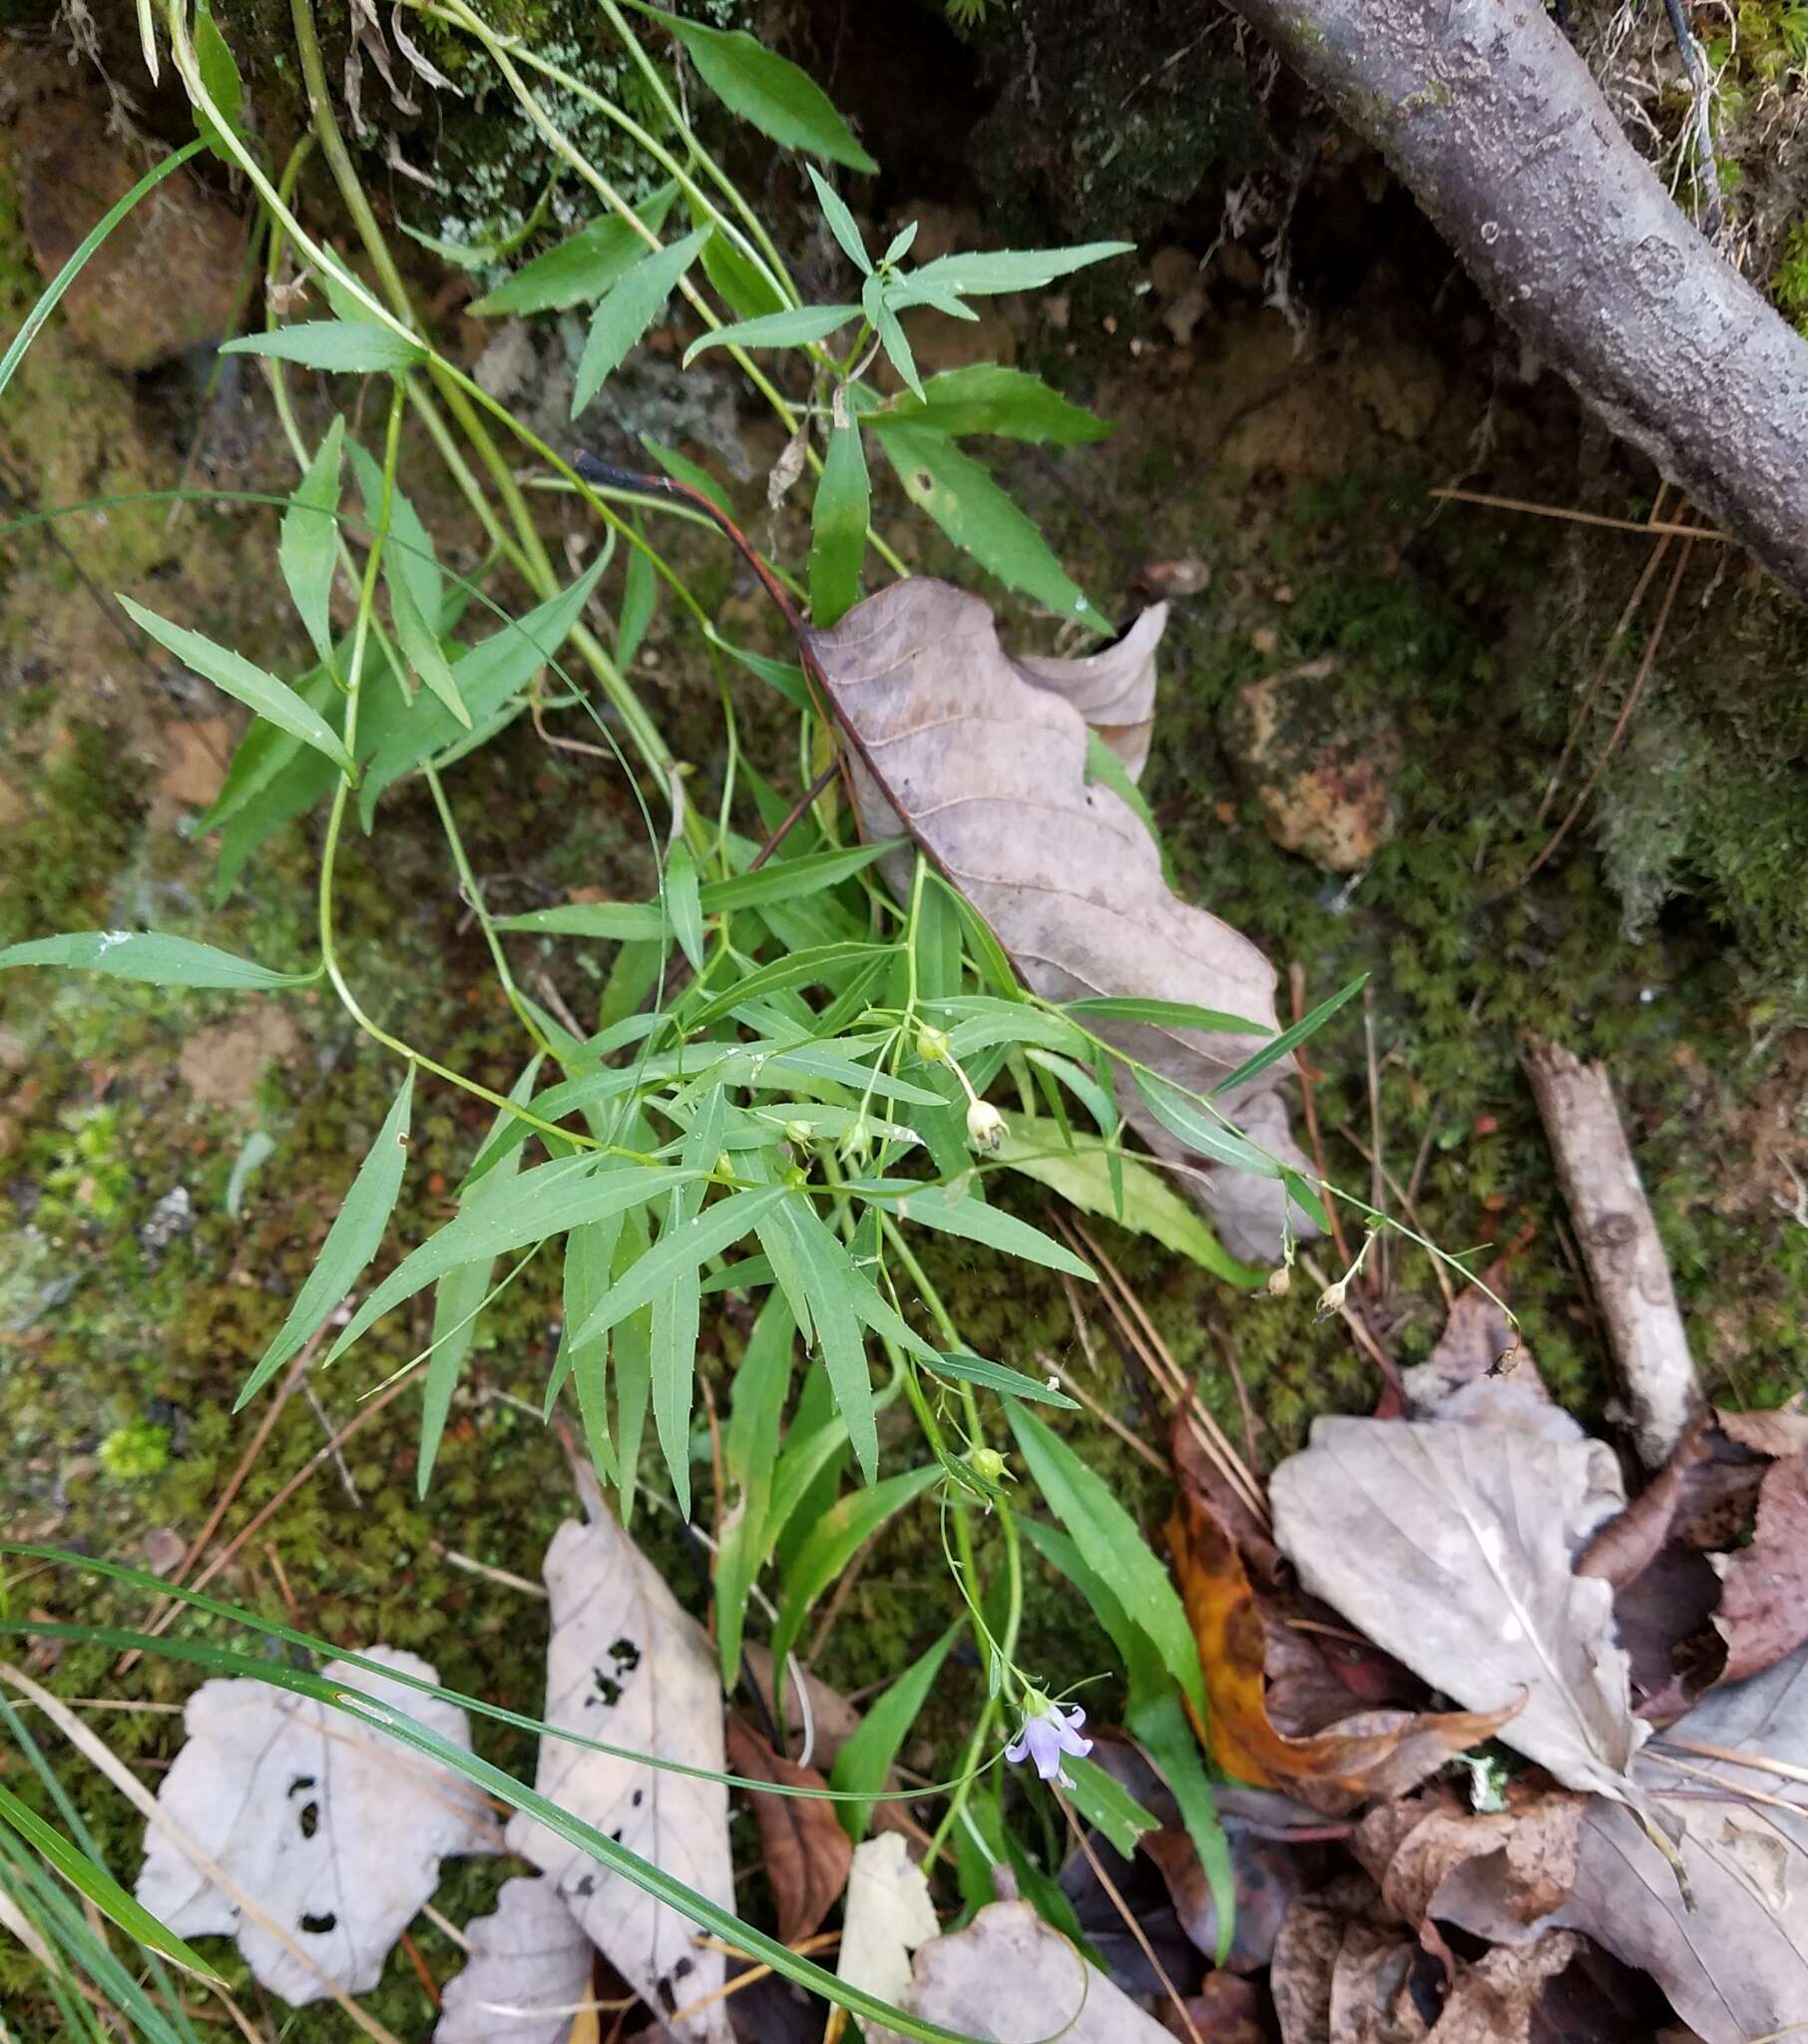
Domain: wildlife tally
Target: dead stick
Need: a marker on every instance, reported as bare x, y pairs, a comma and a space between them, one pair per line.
1620, 1244
1296, 983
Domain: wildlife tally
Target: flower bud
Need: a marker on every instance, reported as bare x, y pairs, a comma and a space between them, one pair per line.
987, 1464
1331, 1298
985, 1126
932, 1044
1280, 1282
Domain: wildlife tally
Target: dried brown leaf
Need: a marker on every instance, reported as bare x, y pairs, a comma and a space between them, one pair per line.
1412, 1846
982, 759
1452, 1547
806, 1851
1492, 2001
1226, 2010
1763, 1611
1783, 1432
1627, 1545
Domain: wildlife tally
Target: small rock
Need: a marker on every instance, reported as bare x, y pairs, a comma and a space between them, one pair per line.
163, 281
1323, 778
163, 1550
173, 1214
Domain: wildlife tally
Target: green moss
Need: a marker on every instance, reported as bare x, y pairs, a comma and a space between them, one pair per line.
130, 1454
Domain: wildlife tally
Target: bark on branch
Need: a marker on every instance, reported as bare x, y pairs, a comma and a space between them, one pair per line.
1620, 1242
1493, 124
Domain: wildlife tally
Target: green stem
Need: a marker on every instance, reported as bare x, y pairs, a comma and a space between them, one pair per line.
474, 895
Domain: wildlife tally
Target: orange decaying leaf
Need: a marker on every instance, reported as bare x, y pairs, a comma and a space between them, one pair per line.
1391, 1754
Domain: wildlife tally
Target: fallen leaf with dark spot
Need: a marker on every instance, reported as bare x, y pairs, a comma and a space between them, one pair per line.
982, 758
1763, 1611
802, 1845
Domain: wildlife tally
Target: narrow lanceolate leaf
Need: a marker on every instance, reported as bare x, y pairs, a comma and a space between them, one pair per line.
1001, 1378
1005, 270
459, 1298
219, 76
831, 1281
589, 1258
875, 303
677, 1309
229, 671
352, 346
982, 520
683, 904
627, 312
1167, 1015
1110, 1543
617, 922
543, 1202
933, 1208
794, 329
408, 554
708, 1234
866, 1757
767, 91
589, 262
742, 286
838, 529
750, 1450
640, 598
1201, 1129
789, 879
156, 959
841, 223
421, 650
94, 1881
834, 1541
1288, 1039
308, 551
350, 1243
989, 398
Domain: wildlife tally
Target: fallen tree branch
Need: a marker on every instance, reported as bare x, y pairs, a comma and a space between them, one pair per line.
1493, 124
1620, 1242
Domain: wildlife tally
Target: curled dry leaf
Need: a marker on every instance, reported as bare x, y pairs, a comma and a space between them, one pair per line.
1010, 1978
1453, 1547
888, 1917
982, 758
527, 1972
805, 1851
327, 1823
1411, 1847
627, 1665
1373, 1753
1763, 1611
1735, 1964
1783, 1432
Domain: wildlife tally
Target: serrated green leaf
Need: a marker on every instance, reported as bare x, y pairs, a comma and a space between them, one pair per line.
838, 521
750, 1450
488, 675
308, 551
250, 685
744, 288
148, 955
982, 520
541, 1202
1201, 1129
979, 272
640, 599
976, 1222
707, 1235
458, 1300
1108, 1806
1110, 1544
350, 1243
583, 266
220, 76
865, 1760
841, 223
625, 314
794, 328
1290, 1039
990, 398
356, 347
767, 91
1001, 1378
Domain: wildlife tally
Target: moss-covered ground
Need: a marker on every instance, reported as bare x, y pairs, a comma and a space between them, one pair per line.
1666, 936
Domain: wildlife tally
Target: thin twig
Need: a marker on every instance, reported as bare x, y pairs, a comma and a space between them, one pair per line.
472, 1566
1296, 988
1358, 1327
832, 1611
795, 814
354, 1494
1129, 1920
1377, 1171
1068, 1382
1580, 517
1407, 1206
